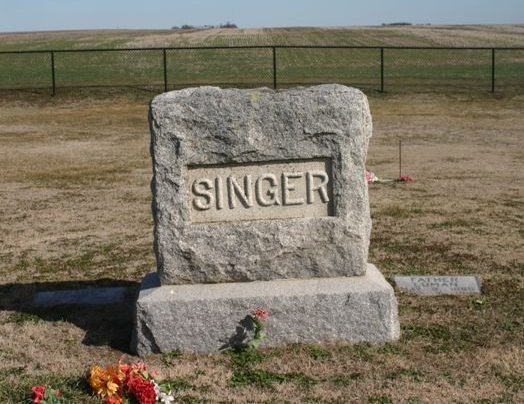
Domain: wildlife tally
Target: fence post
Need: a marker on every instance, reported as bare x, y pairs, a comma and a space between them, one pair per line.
53, 78
382, 69
492, 70
274, 67
165, 68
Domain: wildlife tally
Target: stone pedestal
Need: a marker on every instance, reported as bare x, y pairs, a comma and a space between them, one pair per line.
207, 317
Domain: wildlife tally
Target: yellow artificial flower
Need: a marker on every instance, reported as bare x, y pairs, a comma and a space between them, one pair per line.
111, 388
95, 379
105, 382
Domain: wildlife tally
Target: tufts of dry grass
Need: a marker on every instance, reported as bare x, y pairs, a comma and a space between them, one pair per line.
75, 200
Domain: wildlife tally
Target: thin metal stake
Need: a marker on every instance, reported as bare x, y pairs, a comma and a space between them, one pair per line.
399, 158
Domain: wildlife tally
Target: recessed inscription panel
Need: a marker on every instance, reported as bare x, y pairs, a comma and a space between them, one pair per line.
265, 190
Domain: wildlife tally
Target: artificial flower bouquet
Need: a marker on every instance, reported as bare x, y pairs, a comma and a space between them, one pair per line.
371, 178
125, 383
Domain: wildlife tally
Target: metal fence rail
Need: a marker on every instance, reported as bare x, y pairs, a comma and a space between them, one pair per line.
378, 68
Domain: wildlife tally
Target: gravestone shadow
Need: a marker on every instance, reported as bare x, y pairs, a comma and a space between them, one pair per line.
237, 341
104, 324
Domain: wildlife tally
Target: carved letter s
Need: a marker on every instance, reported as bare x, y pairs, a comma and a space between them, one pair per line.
202, 187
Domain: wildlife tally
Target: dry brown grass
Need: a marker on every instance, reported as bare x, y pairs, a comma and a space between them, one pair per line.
68, 179
75, 204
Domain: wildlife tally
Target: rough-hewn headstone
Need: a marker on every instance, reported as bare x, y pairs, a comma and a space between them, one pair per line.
229, 165
259, 199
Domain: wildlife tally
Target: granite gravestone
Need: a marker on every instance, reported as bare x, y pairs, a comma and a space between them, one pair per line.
259, 199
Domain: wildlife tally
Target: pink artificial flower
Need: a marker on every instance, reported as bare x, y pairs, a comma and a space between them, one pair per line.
369, 176
260, 314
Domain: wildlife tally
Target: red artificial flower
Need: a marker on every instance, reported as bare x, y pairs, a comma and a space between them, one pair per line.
260, 314
142, 389
405, 178
131, 370
113, 400
124, 367
38, 394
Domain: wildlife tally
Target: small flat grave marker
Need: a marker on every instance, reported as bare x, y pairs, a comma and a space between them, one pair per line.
90, 296
439, 285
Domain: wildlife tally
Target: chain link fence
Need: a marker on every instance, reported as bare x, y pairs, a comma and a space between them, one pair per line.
25, 70
132, 68
392, 69
443, 69
226, 67
358, 67
509, 69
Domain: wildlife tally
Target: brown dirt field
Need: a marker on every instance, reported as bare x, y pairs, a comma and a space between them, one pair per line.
415, 35
75, 198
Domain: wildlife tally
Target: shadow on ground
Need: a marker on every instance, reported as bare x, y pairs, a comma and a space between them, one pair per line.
106, 324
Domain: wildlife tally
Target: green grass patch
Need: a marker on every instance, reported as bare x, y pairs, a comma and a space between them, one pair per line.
246, 372
360, 351
413, 374
169, 358
244, 358
390, 348
458, 222
79, 177
318, 353
512, 380
108, 260
379, 400
72, 389
395, 211
21, 318
255, 377
262, 378
177, 384
433, 332
344, 379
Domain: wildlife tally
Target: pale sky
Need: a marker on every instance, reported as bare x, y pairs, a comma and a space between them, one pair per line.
36, 15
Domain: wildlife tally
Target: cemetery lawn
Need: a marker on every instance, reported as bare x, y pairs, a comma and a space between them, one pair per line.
75, 213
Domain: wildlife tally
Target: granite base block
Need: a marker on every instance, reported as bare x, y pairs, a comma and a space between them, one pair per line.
207, 317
